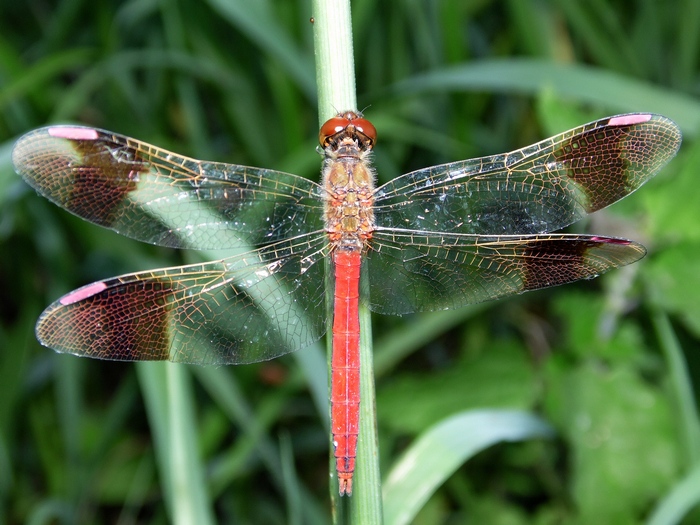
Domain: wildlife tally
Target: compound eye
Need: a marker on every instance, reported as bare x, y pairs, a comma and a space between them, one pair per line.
330, 128
365, 127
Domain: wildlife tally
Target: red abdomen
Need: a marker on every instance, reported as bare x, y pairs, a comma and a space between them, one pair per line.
345, 365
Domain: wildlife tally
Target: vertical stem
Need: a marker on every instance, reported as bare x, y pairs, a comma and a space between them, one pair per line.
188, 486
168, 397
367, 500
335, 78
682, 387
335, 73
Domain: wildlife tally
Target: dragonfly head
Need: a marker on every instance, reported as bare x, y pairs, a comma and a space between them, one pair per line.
348, 124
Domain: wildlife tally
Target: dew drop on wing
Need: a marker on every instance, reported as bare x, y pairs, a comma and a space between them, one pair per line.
263, 273
306, 263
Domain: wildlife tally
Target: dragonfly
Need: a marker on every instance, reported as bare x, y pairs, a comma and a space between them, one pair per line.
436, 238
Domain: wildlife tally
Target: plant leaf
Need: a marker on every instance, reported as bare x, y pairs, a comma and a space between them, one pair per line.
443, 448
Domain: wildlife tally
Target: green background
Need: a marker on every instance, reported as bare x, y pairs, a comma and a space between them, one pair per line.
608, 363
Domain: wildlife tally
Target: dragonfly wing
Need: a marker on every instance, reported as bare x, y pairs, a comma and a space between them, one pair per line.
421, 271
540, 188
243, 309
159, 197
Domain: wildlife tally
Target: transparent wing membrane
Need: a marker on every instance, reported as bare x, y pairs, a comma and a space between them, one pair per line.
244, 309
159, 197
536, 189
419, 271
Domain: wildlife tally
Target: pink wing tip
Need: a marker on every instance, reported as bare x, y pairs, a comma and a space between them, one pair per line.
82, 293
73, 133
628, 120
611, 240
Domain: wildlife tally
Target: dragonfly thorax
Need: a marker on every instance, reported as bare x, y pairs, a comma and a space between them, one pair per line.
348, 180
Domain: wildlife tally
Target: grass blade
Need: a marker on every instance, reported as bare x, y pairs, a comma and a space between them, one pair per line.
190, 500
584, 83
168, 396
684, 496
443, 448
255, 21
682, 387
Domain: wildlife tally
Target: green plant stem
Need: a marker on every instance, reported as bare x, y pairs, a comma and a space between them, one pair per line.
335, 72
367, 506
335, 78
190, 501
682, 387
168, 398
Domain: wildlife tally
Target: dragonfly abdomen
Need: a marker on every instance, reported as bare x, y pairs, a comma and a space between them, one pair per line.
345, 365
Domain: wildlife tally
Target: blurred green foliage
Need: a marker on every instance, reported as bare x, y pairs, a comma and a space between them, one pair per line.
608, 363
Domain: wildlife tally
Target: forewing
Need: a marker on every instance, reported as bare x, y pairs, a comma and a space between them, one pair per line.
243, 309
421, 271
540, 188
159, 197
